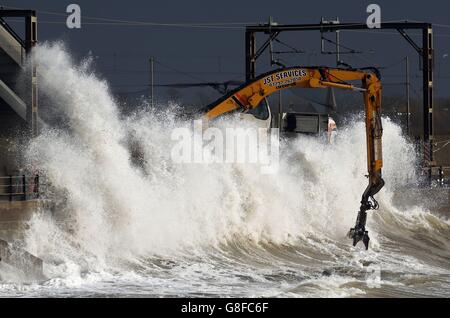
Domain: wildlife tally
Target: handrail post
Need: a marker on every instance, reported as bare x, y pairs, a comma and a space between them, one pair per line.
24, 187
10, 188
36, 186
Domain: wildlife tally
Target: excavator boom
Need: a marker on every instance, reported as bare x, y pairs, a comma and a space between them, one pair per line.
251, 94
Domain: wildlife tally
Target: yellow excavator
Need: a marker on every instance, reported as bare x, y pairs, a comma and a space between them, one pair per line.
250, 95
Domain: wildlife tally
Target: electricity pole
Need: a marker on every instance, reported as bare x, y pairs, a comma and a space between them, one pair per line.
408, 112
151, 81
338, 47
280, 112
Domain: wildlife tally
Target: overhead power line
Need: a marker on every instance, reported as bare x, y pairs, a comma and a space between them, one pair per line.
394, 33
109, 21
197, 78
209, 25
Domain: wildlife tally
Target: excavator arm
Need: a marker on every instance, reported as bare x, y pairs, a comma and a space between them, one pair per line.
251, 94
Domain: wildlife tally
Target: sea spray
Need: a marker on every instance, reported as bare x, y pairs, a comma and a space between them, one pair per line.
194, 221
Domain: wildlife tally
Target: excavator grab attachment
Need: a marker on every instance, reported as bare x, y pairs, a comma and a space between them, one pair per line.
250, 95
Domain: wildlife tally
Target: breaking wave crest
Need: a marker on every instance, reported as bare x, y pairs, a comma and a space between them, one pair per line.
215, 222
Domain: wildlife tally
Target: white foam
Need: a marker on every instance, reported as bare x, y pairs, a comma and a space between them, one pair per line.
119, 212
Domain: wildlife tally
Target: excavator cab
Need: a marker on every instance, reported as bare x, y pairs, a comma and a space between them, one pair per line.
260, 116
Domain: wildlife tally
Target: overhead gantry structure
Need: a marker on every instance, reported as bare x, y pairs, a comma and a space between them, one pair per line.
425, 51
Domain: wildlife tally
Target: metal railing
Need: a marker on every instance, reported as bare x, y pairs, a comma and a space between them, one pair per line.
19, 188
